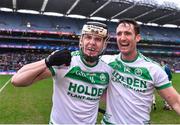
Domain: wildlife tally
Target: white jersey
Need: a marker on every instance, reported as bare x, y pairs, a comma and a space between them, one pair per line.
77, 91
130, 93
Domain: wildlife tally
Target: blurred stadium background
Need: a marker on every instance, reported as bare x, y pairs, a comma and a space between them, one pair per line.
27, 37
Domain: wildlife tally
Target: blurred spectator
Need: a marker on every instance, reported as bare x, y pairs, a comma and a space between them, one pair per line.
12, 61
168, 72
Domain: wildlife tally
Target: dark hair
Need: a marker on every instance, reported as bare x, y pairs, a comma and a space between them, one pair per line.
131, 21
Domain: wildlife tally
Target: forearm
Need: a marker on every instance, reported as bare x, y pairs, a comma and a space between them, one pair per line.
36, 71
176, 106
29, 73
172, 97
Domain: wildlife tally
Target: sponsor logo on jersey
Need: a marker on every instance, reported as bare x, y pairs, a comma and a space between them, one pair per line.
84, 91
140, 72
99, 78
133, 83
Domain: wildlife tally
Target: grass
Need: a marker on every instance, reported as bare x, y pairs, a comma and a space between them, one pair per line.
25, 105
32, 105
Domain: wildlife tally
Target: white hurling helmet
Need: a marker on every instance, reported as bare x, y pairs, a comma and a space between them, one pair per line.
94, 28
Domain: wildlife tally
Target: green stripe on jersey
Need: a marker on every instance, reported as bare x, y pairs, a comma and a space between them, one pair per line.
137, 71
75, 53
164, 86
100, 78
52, 71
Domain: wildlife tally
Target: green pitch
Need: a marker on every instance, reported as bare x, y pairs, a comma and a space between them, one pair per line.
32, 105
25, 104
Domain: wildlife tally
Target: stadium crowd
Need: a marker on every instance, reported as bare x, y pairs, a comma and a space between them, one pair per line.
12, 61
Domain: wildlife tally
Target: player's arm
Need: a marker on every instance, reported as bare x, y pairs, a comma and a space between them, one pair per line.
39, 70
166, 90
172, 97
31, 73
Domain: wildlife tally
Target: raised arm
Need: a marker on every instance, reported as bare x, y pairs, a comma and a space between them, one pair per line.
39, 70
31, 73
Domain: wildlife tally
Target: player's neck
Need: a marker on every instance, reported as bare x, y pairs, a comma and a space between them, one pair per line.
129, 57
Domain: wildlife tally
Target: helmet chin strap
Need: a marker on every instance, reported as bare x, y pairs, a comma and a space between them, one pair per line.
91, 59
87, 58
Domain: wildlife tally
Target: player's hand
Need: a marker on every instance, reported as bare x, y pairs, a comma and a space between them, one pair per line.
58, 57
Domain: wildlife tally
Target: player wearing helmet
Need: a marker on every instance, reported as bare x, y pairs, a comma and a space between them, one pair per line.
97, 31
80, 77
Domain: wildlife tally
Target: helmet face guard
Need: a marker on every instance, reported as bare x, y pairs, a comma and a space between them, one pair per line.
93, 28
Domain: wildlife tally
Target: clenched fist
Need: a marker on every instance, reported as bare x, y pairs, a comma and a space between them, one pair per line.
59, 57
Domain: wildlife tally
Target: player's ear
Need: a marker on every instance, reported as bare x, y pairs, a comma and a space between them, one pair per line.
138, 37
105, 44
80, 41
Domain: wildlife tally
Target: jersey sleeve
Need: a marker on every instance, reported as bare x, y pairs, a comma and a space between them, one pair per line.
161, 79
56, 70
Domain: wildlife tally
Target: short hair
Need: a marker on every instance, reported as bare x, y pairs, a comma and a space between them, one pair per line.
131, 21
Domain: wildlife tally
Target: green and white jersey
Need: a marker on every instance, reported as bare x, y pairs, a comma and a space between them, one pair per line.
130, 93
77, 91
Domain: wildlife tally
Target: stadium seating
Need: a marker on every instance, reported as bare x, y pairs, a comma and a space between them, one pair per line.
29, 35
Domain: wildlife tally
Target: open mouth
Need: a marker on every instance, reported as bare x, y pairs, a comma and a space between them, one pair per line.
91, 51
124, 44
